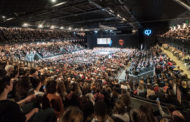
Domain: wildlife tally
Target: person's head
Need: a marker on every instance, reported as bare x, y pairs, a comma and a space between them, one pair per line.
126, 99
119, 107
36, 83
51, 86
135, 115
73, 114
147, 110
33, 71
23, 87
9, 68
100, 111
5, 85
87, 108
61, 88
171, 108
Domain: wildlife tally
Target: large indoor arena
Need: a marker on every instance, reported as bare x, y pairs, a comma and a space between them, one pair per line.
94, 60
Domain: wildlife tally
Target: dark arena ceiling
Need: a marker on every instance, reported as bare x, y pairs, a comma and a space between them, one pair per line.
120, 14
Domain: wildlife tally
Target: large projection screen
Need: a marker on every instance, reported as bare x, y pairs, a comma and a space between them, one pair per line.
103, 41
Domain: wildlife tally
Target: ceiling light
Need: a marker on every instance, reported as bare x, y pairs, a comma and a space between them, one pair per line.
70, 28
40, 26
111, 11
61, 27
25, 25
59, 4
123, 19
9, 19
53, 1
52, 27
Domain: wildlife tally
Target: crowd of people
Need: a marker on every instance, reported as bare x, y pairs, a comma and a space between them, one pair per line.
20, 35
142, 62
82, 87
166, 83
181, 55
44, 50
178, 36
178, 33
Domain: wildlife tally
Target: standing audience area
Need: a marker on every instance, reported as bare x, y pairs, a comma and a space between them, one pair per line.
81, 85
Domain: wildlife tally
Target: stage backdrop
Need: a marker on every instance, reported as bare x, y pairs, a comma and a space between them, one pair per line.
124, 40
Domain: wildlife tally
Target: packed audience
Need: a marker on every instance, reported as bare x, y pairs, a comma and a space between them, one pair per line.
179, 36
142, 62
178, 33
44, 50
82, 87
181, 55
20, 35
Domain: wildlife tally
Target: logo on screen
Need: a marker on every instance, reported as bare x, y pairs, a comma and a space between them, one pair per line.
121, 42
147, 32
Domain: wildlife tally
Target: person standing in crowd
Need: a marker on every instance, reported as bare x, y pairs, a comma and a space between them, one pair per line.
10, 111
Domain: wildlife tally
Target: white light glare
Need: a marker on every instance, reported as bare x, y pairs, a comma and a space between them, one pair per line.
178, 26
123, 19
174, 28
59, 4
184, 25
118, 15
40, 26
70, 28
25, 25
3, 17
61, 27
53, 1
10, 19
52, 27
